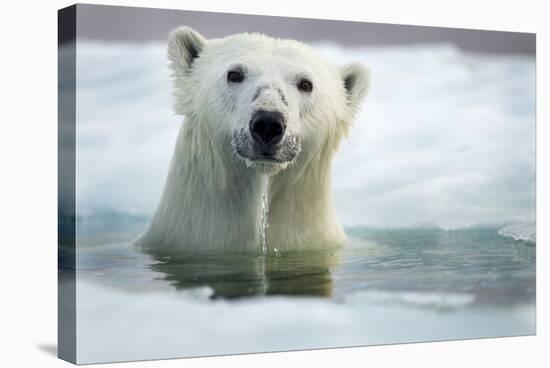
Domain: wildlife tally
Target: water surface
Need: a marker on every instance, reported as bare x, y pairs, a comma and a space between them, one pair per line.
385, 286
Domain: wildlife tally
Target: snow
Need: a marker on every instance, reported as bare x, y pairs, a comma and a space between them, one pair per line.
524, 231
178, 324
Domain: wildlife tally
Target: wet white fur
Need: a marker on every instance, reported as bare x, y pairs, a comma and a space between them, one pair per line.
212, 197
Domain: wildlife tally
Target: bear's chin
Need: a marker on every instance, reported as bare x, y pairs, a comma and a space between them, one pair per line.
266, 167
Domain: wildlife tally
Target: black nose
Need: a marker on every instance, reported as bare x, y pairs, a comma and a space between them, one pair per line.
267, 127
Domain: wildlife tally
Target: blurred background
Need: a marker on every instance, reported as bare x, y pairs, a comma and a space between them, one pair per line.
445, 139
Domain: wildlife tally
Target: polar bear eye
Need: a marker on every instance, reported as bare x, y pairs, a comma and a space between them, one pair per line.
305, 85
235, 76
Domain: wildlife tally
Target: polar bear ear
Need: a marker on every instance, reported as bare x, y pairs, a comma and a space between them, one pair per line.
184, 46
356, 79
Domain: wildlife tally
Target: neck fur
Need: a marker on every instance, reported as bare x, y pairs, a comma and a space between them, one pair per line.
209, 202
301, 213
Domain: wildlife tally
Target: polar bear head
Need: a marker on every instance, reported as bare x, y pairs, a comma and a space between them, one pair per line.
262, 101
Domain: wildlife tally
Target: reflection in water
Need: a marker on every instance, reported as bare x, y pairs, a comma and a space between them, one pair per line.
402, 265
240, 275
385, 286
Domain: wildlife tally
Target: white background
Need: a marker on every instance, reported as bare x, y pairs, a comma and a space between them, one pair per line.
28, 199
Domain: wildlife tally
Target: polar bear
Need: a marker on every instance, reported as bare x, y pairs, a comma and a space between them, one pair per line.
263, 119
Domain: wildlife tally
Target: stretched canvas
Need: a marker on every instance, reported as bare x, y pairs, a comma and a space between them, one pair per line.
235, 184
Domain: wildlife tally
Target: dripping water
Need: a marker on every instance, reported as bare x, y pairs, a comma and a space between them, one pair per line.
264, 222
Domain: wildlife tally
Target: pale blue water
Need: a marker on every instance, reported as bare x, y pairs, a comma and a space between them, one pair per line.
385, 286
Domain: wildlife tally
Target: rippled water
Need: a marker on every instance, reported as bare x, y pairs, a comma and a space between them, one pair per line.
493, 269
385, 286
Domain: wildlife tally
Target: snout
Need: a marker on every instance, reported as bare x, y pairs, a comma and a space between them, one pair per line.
266, 144
267, 128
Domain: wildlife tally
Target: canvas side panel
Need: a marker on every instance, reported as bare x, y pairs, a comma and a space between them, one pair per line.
66, 207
